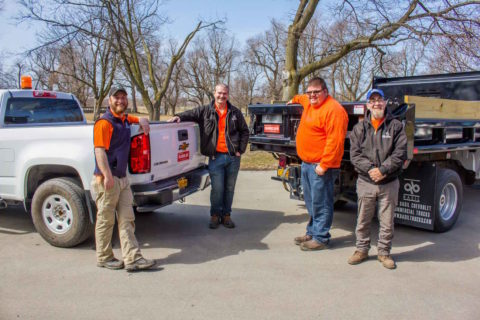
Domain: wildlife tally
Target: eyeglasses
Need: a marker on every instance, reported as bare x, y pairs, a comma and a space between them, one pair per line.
376, 101
314, 92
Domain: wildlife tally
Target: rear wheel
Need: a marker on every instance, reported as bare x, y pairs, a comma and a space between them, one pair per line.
60, 214
448, 197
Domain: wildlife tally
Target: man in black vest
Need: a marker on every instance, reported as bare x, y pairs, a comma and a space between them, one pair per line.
110, 186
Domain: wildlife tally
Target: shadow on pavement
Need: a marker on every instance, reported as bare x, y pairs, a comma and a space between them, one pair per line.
461, 243
184, 227
188, 232
15, 221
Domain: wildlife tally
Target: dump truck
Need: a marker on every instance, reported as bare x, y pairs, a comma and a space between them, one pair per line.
441, 117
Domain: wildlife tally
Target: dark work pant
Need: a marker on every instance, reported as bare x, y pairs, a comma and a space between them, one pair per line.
223, 170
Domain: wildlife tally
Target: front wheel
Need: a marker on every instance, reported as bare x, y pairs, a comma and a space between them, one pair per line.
449, 198
60, 214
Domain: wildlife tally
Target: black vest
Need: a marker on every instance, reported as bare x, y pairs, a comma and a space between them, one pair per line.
118, 152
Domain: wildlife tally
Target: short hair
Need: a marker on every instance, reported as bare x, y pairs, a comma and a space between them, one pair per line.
317, 81
222, 85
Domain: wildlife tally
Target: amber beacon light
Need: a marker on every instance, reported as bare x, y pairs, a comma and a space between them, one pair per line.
26, 82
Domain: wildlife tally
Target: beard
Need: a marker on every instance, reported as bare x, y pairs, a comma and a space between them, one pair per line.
378, 114
118, 109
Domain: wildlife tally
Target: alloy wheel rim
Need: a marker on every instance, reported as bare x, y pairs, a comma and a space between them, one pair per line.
448, 201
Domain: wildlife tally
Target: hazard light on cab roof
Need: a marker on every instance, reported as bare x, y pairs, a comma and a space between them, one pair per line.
26, 82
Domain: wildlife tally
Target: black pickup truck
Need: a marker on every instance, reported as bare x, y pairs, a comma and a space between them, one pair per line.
441, 117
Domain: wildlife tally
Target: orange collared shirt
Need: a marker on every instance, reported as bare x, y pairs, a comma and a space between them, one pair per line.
103, 130
322, 131
222, 122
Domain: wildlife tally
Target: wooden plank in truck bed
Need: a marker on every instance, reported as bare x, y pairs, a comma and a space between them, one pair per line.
435, 108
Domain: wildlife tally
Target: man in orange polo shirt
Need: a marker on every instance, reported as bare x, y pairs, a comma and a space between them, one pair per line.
320, 139
110, 187
224, 138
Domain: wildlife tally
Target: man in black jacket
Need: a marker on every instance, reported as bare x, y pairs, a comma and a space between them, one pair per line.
223, 138
377, 150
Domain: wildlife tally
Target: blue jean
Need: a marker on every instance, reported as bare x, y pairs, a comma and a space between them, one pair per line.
318, 192
223, 170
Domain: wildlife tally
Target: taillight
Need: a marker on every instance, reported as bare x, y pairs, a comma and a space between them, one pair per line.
282, 161
140, 154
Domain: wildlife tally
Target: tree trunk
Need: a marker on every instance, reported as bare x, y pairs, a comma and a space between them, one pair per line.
97, 108
134, 99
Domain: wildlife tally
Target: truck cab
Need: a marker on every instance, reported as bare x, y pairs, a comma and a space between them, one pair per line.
47, 163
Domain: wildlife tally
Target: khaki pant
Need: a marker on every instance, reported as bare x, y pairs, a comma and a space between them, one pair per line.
119, 199
369, 195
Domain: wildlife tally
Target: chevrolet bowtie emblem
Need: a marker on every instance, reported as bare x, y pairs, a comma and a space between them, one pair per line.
183, 146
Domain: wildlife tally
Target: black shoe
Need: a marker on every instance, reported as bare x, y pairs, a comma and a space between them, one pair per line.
214, 222
228, 222
113, 264
140, 264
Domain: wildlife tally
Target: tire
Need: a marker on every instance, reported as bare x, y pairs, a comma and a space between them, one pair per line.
448, 199
60, 214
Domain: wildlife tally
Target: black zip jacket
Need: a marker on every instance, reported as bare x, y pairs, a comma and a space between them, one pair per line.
385, 149
207, 118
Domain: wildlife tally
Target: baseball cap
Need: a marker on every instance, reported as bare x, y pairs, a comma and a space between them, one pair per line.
117, 88
377, 91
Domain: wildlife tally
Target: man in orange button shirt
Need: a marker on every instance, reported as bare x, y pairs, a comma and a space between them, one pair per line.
320, 139
224, 138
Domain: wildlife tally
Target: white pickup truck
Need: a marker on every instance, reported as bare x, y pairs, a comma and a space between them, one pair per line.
47, 163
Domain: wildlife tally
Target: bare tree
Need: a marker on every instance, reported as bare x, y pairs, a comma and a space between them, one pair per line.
267, 51
371, 24
83, 65
211, 61
132, 26
457, 54
242, 91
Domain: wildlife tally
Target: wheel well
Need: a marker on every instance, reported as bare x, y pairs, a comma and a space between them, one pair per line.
38, 174
467, 177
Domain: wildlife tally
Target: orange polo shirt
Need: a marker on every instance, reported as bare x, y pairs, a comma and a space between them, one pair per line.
322, 131
376, 123
222, 123
103, 130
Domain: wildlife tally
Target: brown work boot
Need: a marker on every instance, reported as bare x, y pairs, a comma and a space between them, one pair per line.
298, 240
312, 245
113, 264
387, 261
214, 222
358, 257
228, 222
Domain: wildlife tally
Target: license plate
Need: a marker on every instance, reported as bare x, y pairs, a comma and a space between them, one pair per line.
182, 182
280, 172
271, 128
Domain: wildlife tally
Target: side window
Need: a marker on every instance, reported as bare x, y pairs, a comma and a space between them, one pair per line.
41, 110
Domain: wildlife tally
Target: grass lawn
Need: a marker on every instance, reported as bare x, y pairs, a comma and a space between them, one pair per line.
257, 160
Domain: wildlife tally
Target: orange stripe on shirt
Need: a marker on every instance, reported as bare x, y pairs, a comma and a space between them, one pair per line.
103, 130
321, 134
222, 122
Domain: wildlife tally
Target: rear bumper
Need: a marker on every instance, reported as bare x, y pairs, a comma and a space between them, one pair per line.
148, 197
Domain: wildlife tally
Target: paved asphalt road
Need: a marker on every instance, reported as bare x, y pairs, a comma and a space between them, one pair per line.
251, 272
